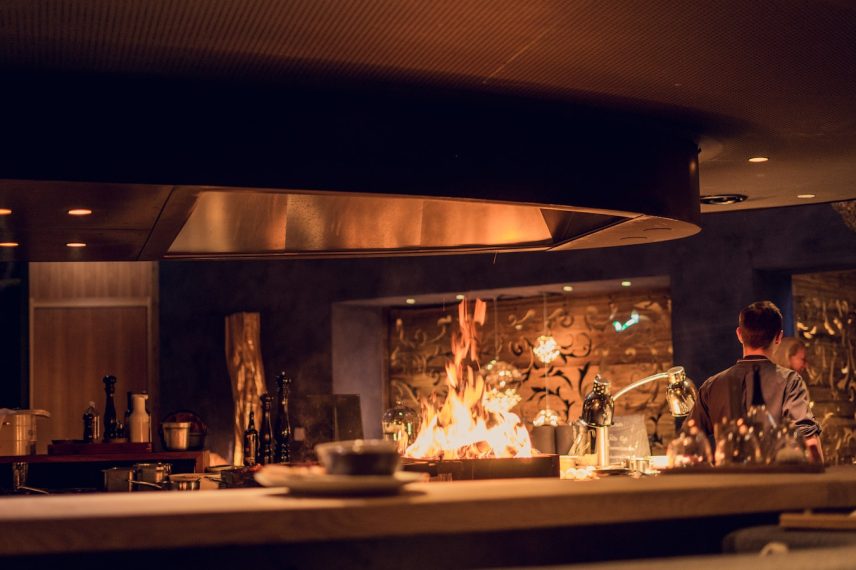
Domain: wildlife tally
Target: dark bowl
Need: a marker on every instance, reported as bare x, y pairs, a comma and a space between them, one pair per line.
359, 457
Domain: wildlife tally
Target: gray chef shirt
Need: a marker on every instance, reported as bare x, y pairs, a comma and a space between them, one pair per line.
729, 394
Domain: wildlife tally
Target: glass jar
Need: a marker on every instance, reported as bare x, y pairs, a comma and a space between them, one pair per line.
737, 444
401, 425
689, 449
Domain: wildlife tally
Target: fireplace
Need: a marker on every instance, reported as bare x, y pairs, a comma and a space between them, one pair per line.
542, 465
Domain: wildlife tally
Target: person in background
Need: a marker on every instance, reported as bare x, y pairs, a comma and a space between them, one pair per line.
791, 354
730, 393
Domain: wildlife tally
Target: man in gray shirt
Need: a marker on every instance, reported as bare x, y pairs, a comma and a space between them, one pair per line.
730, 393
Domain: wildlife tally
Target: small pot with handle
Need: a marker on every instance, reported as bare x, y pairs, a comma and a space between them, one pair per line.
18, 433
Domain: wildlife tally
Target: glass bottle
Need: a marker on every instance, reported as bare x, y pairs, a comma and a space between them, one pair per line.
400, 425
283, 421
251, 442
266, 440
110, 422
89, 415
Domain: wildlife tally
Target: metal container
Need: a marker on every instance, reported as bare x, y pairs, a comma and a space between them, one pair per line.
184, 482
150, 475
176, 435
118, 479
18, 433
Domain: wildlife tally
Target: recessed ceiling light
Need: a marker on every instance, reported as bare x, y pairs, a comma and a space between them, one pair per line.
460, 297
625, 283
75, 244
410, 301
759, 159
5, 211
722, 199
8, 244
79, 212
806, 196
567, 288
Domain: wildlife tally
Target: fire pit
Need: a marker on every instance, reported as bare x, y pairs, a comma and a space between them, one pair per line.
472, 433
486, 467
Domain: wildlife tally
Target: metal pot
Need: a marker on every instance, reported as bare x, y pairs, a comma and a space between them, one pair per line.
18, 431
150, 475
118, 479
184, 482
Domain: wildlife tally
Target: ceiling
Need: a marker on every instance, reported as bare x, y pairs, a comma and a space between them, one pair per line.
743, 79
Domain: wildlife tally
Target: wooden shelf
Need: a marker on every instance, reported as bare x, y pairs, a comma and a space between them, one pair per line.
199, 457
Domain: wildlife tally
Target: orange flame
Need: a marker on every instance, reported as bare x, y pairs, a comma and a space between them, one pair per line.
462, 426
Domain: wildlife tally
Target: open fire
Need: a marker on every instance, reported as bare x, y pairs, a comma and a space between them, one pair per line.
471, 423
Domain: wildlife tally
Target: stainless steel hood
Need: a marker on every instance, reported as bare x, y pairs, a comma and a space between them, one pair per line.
331, 171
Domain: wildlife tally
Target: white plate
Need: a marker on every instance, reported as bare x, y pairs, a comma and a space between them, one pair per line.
336, 485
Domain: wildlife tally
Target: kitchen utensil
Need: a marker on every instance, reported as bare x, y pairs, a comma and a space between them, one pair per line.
176, 435
18, 433
118, 479
359, 457
150, 475
184, 482
198, 429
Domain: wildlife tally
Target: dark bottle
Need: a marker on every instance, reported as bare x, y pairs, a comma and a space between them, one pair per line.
283, 422
89, 423
251, 442
266, 441
110, 423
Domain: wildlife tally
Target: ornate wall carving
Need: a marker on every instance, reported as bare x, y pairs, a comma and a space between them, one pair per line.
590, 344
825, 314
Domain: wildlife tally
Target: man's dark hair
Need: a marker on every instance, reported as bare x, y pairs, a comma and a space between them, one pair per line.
759, 324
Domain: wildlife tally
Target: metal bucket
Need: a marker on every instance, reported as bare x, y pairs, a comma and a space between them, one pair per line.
18, 433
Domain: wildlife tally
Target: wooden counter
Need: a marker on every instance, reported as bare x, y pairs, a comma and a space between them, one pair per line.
74, 523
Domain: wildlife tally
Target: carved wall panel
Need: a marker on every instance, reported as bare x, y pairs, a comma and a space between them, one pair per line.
587, 330
825, 314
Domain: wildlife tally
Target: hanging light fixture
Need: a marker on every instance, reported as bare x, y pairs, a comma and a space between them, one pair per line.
499, 374
546, 350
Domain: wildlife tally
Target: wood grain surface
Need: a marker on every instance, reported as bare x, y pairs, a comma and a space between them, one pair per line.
58, 524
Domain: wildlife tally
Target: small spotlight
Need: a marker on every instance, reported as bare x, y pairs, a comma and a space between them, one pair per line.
5, 211
806, 196
75, 244
8, 244
567, 288
757, 159
79, 212
625, 283
460, 297
410, 301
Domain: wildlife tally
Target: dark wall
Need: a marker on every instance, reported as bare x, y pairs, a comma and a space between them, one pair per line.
14, 338
737, 258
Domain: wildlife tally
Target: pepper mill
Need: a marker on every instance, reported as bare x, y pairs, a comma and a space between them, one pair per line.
110, 423
283, 421
266, 437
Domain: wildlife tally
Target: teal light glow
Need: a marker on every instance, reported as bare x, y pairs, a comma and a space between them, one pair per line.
634, 318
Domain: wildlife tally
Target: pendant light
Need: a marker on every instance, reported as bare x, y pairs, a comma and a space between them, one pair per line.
546, 350
500, 377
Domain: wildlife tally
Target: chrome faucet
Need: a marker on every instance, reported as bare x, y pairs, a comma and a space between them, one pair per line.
599, 405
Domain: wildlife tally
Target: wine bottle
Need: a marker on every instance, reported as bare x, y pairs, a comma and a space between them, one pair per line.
110, 422
283, 421
266, 440
251, 442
